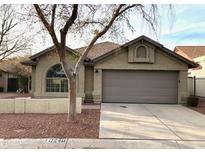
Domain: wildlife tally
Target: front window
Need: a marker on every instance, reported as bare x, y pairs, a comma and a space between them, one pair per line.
56, 80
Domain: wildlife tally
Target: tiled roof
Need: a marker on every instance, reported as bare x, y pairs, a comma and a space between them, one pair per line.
14, 66
99, 49
6, 67
190, 52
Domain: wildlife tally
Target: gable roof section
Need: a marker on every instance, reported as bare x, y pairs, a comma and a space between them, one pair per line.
48, 50
190, 63
99, 49
105, 49
96, 51
190, 52
32, 59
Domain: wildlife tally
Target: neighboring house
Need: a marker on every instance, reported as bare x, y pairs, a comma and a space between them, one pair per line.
13, 75
196, 54
140, 71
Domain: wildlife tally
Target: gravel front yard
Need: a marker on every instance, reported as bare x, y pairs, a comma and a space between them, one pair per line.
201, 106
50, 125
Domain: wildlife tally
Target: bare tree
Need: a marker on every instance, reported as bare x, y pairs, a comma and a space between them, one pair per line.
11, 41
91, 20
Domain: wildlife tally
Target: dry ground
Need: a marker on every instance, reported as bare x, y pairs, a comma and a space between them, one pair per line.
201, 106
50, 125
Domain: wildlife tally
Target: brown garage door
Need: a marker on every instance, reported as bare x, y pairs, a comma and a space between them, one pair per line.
140, 86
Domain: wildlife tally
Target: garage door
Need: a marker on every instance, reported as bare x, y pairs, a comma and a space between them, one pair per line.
139, 86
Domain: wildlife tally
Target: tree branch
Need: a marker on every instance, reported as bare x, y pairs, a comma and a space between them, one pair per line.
60, 47
64, 30
53, 16
92, 22
71, 20
48, 27
117, 13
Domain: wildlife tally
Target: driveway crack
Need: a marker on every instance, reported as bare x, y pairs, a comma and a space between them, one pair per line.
178, 145
162, 122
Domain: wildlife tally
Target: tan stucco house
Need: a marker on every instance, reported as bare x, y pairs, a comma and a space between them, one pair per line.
140, 71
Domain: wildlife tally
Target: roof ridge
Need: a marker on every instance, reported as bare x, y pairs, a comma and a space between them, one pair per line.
98, 44
190, 46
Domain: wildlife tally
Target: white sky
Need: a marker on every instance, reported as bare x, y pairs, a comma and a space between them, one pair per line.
183, 26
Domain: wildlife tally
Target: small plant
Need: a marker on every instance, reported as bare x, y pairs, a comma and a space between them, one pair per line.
192, 101
20, 90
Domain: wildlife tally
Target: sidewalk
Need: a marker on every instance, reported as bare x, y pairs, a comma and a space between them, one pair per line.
98, 144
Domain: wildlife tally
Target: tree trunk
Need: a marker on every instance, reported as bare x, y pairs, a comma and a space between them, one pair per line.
72, 107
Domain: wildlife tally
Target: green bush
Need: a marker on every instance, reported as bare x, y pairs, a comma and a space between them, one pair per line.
192, 101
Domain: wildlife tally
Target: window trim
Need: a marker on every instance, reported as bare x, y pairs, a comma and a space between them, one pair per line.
136, 59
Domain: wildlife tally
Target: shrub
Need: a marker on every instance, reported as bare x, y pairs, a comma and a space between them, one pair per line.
192, 101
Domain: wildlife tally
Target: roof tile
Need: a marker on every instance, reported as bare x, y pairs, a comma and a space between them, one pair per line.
99, 49
190, 52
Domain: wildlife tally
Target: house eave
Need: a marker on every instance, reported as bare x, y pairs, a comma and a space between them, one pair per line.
29, 63
50, 49
190, 64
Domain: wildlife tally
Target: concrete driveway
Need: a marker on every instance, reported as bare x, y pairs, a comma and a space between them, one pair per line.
151, 121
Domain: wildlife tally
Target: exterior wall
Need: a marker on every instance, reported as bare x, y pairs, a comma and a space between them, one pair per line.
4, 81
5, 76
89, 77
200, 78
183, 86
200, 84
27, 105
1, 80
201, 72
119, 61
191, 86
33, 82
39, 77
81, 82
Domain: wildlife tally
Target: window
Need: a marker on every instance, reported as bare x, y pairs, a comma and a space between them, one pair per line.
56, 80
141, 52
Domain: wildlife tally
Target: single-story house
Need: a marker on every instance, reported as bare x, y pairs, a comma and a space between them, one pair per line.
13, 75
196, 54
140, 71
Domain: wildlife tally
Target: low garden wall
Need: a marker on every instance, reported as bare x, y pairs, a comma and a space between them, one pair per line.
30, 105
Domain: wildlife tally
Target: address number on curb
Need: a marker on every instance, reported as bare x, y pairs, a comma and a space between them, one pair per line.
56, 140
